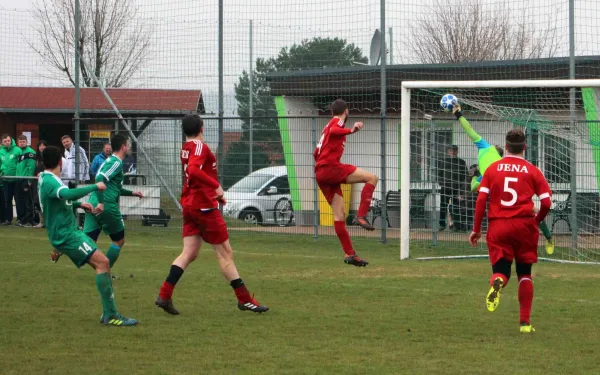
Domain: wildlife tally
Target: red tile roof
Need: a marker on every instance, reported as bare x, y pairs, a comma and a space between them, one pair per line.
62, 99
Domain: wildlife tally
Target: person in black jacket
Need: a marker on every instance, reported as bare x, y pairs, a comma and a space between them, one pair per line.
452, 174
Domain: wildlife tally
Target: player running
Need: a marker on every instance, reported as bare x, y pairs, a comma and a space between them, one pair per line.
107, 214
513, 233
57, 202
488, 154
202, 220
331, 173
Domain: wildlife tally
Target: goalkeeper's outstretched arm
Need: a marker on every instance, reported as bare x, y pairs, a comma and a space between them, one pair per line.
476, 138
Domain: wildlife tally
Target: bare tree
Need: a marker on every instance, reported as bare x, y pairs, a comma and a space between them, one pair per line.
466, 30
113, 41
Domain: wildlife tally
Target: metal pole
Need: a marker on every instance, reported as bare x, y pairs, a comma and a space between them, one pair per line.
433, 156
221, 99
405, 174
251, 99
573, 124
383, 95
77, 93
315, 187
391, 47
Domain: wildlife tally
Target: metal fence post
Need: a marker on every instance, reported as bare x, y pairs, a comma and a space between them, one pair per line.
77, 93
251, 99
315, 187
383, 126
573, 124
221, 98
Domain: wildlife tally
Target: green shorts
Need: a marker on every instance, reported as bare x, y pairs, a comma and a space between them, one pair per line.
110, 221
78, 247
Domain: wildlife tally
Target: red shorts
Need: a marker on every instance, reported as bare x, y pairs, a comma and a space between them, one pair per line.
331, 177
207, 224
515, 238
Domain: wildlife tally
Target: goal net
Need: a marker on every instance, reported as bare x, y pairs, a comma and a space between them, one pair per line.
560, 120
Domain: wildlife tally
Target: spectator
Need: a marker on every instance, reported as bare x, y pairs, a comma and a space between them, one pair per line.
452, 174
71, 151
100, 158
9, 155
2, 221
23, 193
39, 167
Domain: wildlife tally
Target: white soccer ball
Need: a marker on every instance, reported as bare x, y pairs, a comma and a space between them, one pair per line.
448, 102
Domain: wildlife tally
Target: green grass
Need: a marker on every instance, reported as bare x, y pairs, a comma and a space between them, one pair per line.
392, 317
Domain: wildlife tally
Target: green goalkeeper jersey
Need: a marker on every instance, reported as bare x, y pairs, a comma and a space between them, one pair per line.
56, 201
111, 173
486, 153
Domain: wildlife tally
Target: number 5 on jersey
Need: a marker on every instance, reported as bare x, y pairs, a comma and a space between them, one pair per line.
511, 191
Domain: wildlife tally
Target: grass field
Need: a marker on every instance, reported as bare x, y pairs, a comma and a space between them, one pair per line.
326, 317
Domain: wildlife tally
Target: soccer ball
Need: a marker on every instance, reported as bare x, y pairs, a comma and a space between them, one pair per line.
448, 102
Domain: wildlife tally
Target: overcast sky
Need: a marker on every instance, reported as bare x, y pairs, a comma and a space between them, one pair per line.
185, 33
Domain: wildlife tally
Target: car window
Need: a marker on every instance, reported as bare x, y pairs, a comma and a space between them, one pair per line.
282, 184
251, 183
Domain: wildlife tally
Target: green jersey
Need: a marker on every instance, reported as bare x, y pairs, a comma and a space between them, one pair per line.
56, 201
486, 153
111, 173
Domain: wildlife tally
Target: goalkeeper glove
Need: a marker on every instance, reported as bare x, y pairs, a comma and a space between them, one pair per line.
457, 111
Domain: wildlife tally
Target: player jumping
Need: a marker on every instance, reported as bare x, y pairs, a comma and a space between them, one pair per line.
331, 173
202, 220
57, 202
107, 214
488, 154
513, 233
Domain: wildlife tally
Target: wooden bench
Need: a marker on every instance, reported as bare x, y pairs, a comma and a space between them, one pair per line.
393, 202
588, 211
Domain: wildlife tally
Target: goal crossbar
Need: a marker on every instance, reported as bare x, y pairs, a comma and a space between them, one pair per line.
405, 111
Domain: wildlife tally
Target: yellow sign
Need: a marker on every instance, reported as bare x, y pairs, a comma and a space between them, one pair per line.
99, 134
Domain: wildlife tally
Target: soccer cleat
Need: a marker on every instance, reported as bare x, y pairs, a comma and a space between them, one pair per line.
253, 306
355, 261
493, 297
55, 255
167, 305
550, 246
119, 321
527, 328
363, 222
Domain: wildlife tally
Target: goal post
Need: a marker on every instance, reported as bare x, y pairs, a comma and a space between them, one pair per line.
543, 109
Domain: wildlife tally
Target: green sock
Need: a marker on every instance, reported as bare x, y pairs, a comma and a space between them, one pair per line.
545, 230
105, 289
113, 254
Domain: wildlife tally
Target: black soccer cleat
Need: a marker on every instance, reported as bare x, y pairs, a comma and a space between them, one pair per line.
167, 305
355, 260
253, 306
364, 223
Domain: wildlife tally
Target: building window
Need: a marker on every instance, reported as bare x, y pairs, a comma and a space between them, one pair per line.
557, 159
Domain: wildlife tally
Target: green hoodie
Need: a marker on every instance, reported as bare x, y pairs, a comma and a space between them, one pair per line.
26, 165
9, 157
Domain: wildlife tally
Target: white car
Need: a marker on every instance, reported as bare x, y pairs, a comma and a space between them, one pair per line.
262, 197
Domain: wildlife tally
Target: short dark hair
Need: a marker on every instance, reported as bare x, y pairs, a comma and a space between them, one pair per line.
192, 125
515, 141
21, 138
118, 141
65, 137
51, 156
338, 107
500, 150
453, 147
5, 136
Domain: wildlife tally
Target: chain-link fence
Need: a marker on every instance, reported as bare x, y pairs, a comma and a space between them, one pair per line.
263, 74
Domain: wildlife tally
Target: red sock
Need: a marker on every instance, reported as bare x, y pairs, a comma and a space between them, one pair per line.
502, 276
166, 290
342, 233
525, 297
242, 294
365, 199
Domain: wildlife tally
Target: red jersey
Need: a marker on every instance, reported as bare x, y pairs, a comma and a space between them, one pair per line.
201, 179
331, 145
511, 183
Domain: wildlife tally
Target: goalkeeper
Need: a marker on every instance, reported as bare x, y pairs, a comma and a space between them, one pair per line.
486, 155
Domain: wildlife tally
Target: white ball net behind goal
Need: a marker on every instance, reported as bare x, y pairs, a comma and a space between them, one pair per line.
562, 127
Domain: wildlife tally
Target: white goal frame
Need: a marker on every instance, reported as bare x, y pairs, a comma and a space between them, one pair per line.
405, 123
